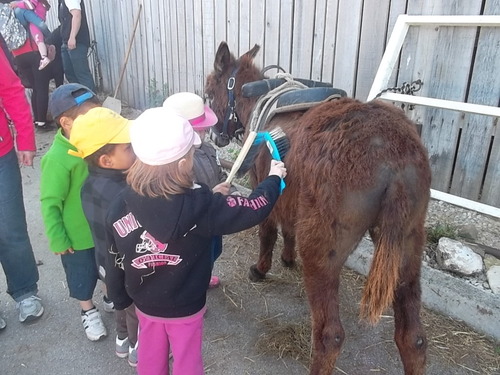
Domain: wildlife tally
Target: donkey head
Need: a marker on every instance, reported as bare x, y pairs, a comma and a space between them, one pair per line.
223, 92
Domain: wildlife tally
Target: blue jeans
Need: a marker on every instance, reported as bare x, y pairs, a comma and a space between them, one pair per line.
16, 253
76, 65
26, 17
81, 273
216, 248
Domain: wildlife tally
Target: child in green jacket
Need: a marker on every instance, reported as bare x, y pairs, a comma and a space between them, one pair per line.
65, 224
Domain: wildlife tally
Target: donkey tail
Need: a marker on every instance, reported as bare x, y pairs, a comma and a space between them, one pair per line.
383, 277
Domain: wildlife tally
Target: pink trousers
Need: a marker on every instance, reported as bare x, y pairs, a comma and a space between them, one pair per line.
182, 336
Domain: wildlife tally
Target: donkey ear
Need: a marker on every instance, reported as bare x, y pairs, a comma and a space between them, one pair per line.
222, 58
253, 52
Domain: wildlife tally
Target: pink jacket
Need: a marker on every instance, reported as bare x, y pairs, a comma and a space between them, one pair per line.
13, 101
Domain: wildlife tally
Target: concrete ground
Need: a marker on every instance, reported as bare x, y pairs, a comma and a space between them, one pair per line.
239, 318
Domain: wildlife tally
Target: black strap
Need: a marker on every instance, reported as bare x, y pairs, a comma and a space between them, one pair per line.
230, 114
8, 54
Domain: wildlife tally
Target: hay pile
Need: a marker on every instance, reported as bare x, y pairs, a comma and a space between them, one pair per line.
448, 339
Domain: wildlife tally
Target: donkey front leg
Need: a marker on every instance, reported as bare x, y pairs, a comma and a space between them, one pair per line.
288, 254
268, 233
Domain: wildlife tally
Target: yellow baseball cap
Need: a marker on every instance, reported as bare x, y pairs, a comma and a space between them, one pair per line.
96, 128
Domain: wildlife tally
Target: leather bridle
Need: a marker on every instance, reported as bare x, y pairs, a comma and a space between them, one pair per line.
231, 114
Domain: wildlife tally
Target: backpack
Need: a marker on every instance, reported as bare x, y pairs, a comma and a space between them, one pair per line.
11, 29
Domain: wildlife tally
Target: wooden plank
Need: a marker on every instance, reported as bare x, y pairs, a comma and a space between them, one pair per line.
319, 36
166, 50
444, 69
371, 45
182, 43
220, 23
189, 45
244, 26
272, 31
134, 70
210, 43
232, 25
117, 49
347, 45
51, 20
487, 57
396, 8
285, 36
303, 36
125, 94
174, 31
490, 193
330, 40
95, 25
198, 49
104, 51
153, 78
257, 25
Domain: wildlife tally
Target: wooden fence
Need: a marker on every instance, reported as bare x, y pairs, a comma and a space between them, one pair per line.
337, 41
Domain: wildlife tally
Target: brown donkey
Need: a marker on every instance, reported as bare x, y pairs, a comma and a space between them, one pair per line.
352, 167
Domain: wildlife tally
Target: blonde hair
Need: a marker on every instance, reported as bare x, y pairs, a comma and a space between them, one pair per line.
160, 180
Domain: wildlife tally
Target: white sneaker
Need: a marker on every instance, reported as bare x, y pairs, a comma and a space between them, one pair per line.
122, 347
132, 355
92, 323
30, 309
108, 305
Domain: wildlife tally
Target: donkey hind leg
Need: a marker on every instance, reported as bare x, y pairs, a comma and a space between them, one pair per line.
288, 254
409, 333
268, 233
322, 265
322, 287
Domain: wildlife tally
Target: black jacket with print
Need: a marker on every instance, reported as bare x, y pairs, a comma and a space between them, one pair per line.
159, 249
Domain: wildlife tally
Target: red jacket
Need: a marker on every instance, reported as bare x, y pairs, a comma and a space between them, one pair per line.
13, 102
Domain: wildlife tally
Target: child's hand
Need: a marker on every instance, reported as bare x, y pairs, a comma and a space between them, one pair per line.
277, 169
222, 188
67, 251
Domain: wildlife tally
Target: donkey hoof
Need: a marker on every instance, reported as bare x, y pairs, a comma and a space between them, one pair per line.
288, 263
255, 275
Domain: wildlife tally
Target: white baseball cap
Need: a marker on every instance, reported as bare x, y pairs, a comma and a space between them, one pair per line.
160, 136
191, 107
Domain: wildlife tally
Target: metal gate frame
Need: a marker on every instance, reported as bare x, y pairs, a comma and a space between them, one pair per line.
388, 63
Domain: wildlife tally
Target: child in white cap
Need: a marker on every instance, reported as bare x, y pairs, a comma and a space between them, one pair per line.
207, 168
160, 230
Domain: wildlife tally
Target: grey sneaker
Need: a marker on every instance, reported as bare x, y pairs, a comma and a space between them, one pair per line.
122, 347
108, 305
30, 309
132, 355
2, 323
93, 325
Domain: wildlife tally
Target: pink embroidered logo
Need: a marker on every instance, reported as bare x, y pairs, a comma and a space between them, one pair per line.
152, 245
254, 204
149, 243
151, 260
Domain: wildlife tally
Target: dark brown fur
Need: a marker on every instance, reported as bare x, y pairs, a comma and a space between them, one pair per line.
352, 167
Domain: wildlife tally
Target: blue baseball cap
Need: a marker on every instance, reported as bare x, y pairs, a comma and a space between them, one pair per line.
68, 96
